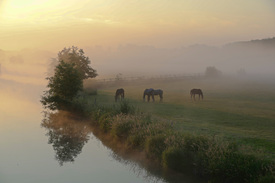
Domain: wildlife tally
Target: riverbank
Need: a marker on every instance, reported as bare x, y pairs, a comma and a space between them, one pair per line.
139, 162
210, 158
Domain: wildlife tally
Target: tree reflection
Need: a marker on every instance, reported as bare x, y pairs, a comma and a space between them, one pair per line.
67, 134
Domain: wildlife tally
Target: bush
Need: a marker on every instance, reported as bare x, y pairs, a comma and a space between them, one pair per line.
98, 112
124, 107
122, 125
238, 167
173, 158
139, 131
155, 145
136, 140
105, 122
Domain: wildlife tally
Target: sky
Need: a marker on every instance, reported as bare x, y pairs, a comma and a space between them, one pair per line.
55, 24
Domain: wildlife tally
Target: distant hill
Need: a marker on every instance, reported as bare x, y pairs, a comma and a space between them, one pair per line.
265, 43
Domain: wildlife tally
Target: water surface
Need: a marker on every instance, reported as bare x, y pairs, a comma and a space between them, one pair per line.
35, 148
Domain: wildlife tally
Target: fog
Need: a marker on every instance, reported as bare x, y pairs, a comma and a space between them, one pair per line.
22, 82
246, 59
251, 57
25, 66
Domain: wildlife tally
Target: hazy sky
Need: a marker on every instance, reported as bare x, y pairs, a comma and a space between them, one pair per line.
54, 24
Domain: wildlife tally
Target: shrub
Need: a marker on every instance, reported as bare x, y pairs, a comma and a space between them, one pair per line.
155, 145
124, 107
139, 131
81, 105
173, 158
238, 167
195, 143
210, 152
122, 125
136, 140
98, 112
105, 122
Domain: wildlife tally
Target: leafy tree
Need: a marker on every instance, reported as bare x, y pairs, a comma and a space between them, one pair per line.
76, 56
63, 87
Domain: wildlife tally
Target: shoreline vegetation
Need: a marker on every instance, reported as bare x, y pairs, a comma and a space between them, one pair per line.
210, 158
227, 137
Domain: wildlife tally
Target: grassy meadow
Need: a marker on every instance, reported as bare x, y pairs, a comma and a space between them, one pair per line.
239, 110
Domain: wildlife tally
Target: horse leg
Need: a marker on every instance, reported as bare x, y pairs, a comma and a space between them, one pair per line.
144, 97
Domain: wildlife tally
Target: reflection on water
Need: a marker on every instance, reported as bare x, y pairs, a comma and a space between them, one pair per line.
67, 135
141, 165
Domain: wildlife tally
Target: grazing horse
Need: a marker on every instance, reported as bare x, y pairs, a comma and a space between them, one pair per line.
151, 93
193, 92
119, 93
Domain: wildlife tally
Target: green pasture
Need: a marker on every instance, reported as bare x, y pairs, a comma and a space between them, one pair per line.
241, 111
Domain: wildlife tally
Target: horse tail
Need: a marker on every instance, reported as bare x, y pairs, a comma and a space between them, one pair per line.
201, 95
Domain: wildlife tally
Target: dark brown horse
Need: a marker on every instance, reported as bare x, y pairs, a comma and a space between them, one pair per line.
119, 93
193, 92
151, 93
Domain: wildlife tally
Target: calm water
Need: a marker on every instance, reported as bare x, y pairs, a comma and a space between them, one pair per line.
57, 149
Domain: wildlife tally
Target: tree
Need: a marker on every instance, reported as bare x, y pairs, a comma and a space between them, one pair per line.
63, 87
212, 72
77, 57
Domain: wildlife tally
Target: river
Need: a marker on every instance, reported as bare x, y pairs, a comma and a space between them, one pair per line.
38, 149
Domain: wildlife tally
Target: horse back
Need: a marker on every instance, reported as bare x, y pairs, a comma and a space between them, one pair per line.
195, 91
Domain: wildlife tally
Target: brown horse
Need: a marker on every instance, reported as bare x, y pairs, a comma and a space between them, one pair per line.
119, 93
193, 92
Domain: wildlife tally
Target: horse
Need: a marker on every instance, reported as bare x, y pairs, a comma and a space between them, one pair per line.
193, 92
119, 93
151, 93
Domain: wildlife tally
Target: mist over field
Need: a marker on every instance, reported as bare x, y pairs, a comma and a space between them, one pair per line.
255, 58
246, 59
